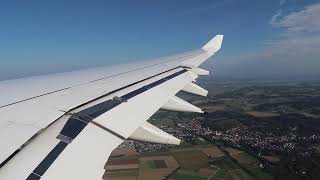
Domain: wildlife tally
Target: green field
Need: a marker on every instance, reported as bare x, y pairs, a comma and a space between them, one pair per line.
257, 172
241, 174
224, 163
222, 175
182, 175
244, 158
151, 164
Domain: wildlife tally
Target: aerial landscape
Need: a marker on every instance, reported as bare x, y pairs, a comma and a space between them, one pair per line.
250, 130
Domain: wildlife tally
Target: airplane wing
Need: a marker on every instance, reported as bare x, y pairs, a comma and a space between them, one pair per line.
64, 126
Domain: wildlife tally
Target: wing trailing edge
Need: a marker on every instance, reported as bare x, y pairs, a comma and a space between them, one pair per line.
200, 72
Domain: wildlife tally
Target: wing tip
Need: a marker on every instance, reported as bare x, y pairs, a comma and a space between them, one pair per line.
214, 44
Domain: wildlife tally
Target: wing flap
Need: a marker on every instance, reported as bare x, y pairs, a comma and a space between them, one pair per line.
149, 133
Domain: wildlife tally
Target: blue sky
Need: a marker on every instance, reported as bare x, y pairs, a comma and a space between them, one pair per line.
40, 37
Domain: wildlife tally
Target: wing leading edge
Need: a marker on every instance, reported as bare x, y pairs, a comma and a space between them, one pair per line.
87, 130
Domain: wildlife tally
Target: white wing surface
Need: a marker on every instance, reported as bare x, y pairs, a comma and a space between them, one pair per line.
64, 126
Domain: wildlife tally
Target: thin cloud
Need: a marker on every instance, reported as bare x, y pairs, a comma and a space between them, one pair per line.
275, 17
305, 21
301, 33
294, 52
301, 40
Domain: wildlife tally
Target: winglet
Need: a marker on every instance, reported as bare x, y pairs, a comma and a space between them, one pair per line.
214, 44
